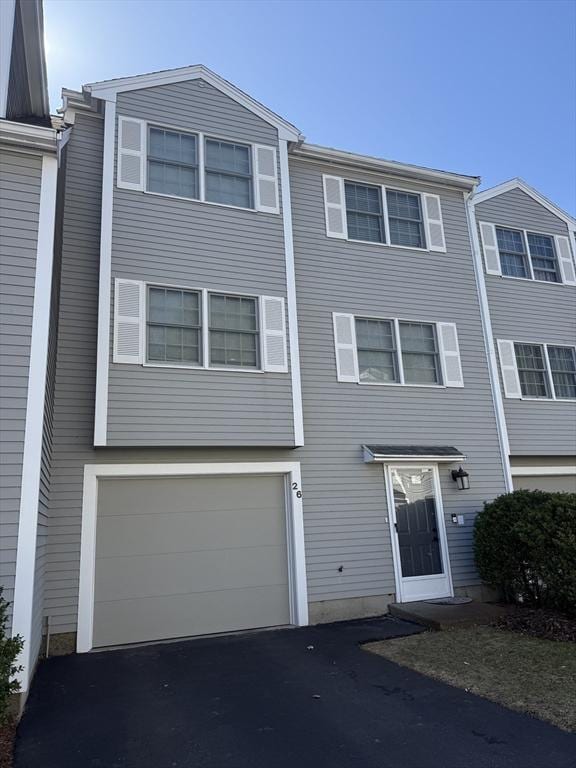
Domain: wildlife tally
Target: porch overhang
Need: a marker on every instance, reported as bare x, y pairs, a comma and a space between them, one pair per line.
388, 453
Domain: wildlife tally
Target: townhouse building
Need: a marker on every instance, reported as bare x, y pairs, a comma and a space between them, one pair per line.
273, 392
528, 245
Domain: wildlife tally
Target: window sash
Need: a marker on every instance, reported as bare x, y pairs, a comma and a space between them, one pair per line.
522, 256
405, 230
359, 218
532, 373
563, 371
544, 265
175, 329
377, 358
513, 253
156, 160
217, 171
421, 365
242, 343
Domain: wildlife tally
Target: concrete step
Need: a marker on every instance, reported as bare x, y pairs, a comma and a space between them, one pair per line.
437, 616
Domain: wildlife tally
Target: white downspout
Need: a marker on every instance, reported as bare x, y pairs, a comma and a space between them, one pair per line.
489, 343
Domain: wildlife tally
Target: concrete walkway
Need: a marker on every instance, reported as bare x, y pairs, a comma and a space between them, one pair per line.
441, 616
309, 697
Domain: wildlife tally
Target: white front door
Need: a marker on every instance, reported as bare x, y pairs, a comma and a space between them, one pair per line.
418, 532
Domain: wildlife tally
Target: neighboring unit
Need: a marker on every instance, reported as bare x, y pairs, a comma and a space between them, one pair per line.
28, 173
528, 247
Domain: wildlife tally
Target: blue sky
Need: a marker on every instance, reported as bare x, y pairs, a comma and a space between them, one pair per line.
486, 88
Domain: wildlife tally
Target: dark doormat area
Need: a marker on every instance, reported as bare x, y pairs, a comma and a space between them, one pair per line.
304, 698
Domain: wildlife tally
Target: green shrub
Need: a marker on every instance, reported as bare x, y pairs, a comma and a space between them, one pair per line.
10, 647
525, 545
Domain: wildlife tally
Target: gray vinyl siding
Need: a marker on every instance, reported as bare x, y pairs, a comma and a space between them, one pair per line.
20, 180
344, 498
345, 501
537, 312
191, 244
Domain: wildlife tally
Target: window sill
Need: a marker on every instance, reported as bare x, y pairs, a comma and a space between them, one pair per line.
398, 384
529, 280
201, 367
546, 399
384, 245
206, 202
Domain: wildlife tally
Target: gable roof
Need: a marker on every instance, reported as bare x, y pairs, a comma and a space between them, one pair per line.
518, 183
107, 89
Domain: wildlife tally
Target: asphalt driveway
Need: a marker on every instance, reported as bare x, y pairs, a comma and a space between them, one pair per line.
280, 699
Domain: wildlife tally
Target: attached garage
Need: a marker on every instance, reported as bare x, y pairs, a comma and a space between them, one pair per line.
535, 482
181, 556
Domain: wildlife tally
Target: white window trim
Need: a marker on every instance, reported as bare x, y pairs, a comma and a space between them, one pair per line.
201, 137
204, 330
387, 244
294, 522
525, 471
398, 351
548, 370
531, 279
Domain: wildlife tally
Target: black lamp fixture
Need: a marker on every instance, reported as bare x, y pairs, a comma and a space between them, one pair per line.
462, 478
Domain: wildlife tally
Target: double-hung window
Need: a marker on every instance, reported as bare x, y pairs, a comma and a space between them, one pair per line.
412, 357
228, 169
420, 358
234, 335
405, 219
513, 257
376, 345
563, 371
174, 326
543, 257
173, 163
531, 365
364, 212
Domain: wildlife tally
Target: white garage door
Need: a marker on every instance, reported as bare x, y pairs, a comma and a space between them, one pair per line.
177, 557
536, 482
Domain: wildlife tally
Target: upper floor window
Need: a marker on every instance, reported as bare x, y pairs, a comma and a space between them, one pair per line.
398, 352
364, 212
234, 335
172, 163
420, 358
174, 326
188, 164
563, 370
228, 169
527, 255
405, 219
531, 370
376, 214
543, 257
543, 371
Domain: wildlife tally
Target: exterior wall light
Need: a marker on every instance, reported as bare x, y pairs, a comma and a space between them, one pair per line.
462, 478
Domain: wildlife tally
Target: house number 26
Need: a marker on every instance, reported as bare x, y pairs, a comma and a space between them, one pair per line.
297, 490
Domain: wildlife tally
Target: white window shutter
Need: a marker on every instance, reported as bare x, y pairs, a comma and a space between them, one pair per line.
565, 260
434, 223
266, 176
490, 246
128, 321
450, 355
335, 207
274, 334
345, 344
509, 369
131, 172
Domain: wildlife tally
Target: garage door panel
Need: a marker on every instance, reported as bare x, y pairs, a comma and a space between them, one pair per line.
554, 483
184, 556
190, 531
198, 494
158, 618
152, 575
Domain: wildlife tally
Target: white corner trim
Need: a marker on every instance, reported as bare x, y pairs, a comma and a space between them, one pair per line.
291, 296
105, 279
488, 333
7, 9
31, 464
295, 519
567, 469
108, 89
508, 186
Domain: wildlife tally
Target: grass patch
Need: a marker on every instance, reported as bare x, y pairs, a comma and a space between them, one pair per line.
527, 674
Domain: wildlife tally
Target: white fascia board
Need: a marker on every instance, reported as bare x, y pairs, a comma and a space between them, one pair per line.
108, 89
35, 137
508, 186
405, 170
